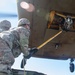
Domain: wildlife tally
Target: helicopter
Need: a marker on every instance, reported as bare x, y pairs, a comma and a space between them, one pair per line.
52, 28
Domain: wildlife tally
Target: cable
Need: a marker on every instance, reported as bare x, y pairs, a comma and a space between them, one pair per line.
24, 67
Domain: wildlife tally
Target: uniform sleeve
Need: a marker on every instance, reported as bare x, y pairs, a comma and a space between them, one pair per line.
24, 40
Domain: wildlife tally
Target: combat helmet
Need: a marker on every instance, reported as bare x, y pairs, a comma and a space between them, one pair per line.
23, 21
5, 25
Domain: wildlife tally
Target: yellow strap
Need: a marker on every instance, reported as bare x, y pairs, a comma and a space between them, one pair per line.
61, 15
49, 40
51, 17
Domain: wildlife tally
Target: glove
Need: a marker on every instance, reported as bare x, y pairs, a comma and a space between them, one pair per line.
23, 62
31, 52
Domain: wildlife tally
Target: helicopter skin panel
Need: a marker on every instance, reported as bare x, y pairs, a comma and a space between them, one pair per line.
61, 47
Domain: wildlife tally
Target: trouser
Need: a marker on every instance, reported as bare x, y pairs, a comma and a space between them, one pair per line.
6, 57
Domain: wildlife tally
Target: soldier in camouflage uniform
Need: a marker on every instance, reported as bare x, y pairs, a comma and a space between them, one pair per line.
12, 43
5, 25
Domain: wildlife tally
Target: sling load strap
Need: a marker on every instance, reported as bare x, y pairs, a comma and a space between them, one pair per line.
49, 40
73, 17
24, 68
51, 17
60, 15
24, 71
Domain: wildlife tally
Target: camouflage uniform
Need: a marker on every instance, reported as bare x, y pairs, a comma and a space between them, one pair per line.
12, 43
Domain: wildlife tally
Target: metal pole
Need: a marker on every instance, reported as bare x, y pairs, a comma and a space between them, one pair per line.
49, 40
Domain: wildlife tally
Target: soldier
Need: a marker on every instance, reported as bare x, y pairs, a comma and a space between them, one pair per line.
12, 43
5, 25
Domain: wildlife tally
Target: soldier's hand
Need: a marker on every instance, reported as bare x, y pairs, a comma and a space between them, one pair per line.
32, 51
